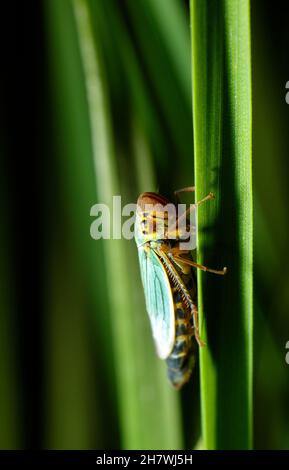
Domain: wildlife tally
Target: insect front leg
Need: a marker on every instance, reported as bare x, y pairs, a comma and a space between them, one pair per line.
177, 229
188, 189
192, 207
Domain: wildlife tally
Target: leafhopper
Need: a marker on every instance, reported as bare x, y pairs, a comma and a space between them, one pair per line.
168, 281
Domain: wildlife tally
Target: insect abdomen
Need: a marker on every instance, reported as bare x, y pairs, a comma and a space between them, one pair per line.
181, 360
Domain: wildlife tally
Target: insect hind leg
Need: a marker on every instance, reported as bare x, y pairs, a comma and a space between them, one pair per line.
195, 317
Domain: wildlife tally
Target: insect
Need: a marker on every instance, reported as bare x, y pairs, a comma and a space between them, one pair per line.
168, 281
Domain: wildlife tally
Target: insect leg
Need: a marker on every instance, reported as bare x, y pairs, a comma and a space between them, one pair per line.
188, 189
179, 284
194, 206
196, 325
176, 254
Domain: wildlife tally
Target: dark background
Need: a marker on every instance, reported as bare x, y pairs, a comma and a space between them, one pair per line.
31, 217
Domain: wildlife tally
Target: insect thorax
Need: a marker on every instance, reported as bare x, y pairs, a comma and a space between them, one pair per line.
156, 227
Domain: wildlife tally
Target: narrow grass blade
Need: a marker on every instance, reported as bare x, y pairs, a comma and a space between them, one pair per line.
74, 398
132, 85
221, 73
166, 68
148, 408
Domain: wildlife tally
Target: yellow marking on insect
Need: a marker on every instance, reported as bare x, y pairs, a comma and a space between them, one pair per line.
181, 321
183, 338
179, 354
179, 305
166, 270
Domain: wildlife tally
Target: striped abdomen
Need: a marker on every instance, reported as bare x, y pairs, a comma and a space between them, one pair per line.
182, 358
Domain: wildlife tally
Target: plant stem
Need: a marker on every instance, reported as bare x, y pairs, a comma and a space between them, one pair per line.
221, 74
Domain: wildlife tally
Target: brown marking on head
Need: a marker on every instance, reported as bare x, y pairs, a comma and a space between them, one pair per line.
152, 199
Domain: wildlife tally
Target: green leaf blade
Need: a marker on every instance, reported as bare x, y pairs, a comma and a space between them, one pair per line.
221, 72
148, 408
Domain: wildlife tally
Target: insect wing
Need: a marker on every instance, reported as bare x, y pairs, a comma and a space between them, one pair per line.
159, 301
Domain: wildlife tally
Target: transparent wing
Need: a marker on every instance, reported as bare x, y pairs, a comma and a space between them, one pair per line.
159, 301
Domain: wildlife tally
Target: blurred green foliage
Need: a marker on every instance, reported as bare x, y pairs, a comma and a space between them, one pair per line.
103, 385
